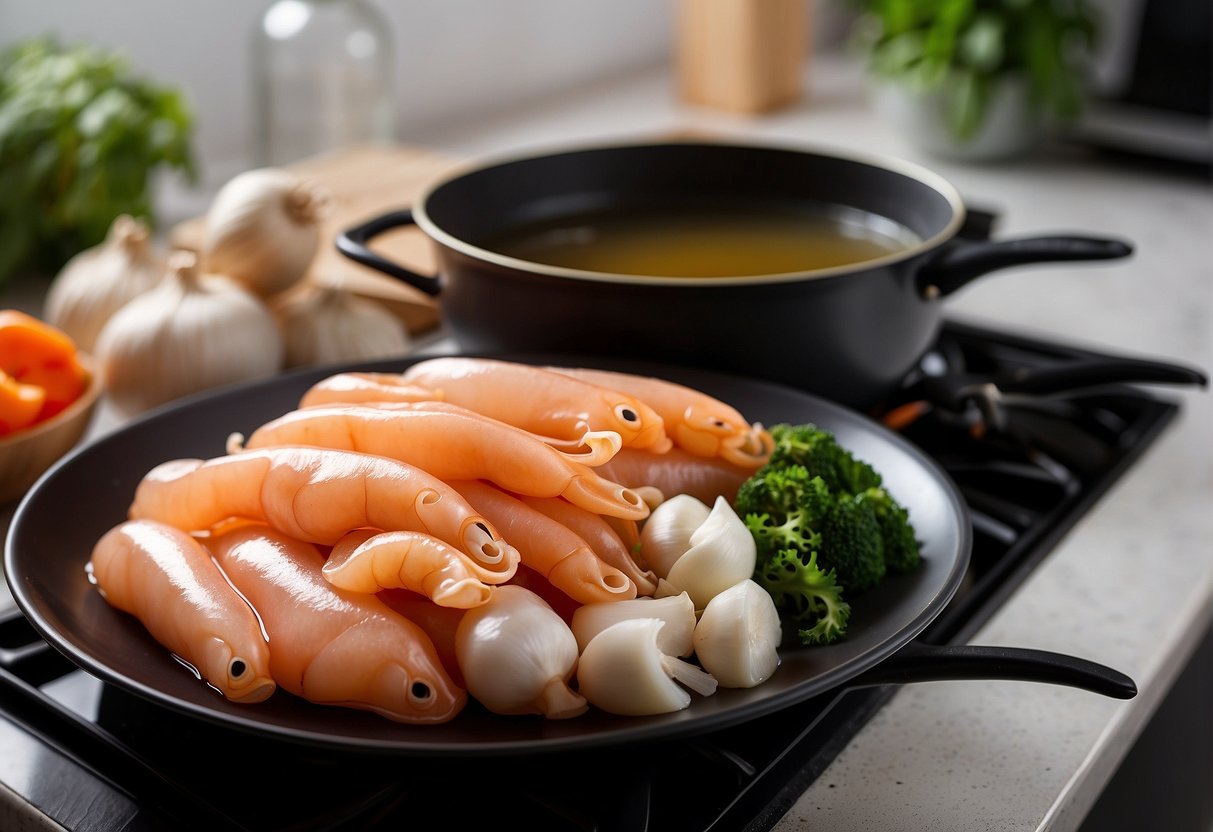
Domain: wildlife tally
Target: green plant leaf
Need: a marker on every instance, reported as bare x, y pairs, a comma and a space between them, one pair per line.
967, 99
80, 135
965, 46
981, 46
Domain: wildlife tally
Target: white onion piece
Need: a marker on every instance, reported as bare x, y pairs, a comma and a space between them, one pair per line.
677, 611
738, 636
666, 534
722, 554
623, 671
517, 655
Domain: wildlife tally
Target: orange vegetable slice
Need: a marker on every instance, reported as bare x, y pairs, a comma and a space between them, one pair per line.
20, 404
35, 353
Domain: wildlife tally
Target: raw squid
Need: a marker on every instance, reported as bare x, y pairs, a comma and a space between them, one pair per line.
695, 421
455, 444
318, 495
439, 623
354, 388
541, 401
167, 580
602, 539
677, 472
367, 560
330, 646
550, 548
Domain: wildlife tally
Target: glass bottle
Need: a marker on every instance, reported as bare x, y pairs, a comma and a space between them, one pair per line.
323, 79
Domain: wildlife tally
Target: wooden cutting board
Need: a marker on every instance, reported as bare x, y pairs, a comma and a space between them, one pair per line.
363, 182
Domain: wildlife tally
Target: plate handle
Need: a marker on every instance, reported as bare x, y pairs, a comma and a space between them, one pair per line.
930, 663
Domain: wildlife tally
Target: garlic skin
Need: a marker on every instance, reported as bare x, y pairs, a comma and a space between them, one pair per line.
263, 230
722, 553
99, 281
738, 635
329, 324
190, 333
677, 611
517, 655
623, 671
666, 534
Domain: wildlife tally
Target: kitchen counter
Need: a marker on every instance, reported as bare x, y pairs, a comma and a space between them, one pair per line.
1131, 586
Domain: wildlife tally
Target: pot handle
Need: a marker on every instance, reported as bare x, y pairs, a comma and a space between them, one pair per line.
965, 260
929, 663
353, 243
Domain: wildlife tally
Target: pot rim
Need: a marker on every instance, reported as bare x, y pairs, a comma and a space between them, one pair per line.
894, 164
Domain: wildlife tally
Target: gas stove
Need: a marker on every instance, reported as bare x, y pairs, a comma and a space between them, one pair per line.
94, 757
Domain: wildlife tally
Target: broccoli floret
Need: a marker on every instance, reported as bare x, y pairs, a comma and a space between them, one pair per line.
780, 489
821, 522
852, 544
821, 455
902, 551
794, 532
805, 594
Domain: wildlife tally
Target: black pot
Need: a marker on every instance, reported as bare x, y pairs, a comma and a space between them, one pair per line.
850, 333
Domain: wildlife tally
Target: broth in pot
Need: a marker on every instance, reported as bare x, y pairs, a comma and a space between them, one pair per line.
712, 239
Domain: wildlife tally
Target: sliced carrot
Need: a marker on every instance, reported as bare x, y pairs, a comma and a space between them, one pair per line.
20, 404
35, 353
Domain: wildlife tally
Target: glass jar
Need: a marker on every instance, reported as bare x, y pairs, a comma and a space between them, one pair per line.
323, 79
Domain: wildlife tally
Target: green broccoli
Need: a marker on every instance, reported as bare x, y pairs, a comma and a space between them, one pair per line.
822, 523
804, 593
795, 532
852, 544
902, 551
821, 455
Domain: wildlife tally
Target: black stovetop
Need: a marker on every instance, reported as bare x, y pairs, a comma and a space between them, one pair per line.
132, 764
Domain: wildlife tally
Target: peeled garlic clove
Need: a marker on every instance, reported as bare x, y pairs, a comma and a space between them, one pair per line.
517, 655
99, 281
190, 333
666, 534
722, 554
329, 324
678, 613
623, 671
263, 229
737, 638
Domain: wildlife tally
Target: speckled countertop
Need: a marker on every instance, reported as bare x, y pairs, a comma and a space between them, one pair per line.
1131, 586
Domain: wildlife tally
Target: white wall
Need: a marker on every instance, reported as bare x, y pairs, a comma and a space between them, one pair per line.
454, 57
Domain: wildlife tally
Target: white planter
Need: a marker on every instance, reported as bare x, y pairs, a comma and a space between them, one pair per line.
1010, 127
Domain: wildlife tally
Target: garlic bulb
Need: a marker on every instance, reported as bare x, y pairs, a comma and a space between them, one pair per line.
666, 534
623, 671
722, 553
737, 638
189, 333
329, 324
98, 281
263, 230
517, 655
677, 611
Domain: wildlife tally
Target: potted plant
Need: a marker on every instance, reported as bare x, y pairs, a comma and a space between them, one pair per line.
976, 79
80, 138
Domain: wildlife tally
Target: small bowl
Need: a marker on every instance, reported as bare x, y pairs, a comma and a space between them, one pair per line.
26, 454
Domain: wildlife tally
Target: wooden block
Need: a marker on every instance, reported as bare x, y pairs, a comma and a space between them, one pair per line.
743, 56
366, 181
